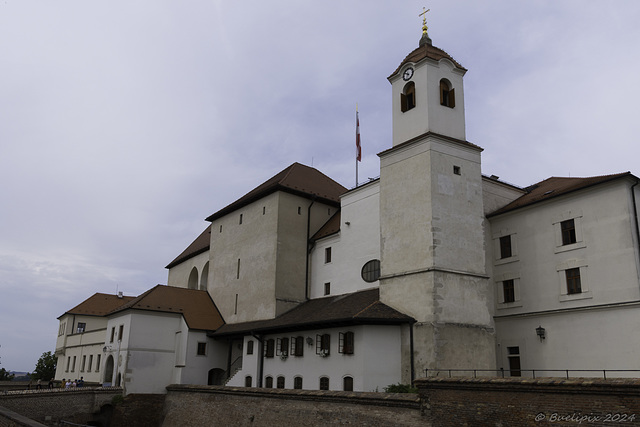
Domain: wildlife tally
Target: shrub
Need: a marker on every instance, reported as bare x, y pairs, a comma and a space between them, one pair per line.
400, 388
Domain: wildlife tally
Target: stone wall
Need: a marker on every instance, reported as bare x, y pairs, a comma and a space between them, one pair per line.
529, 402
50, 406
227, 406
9, 418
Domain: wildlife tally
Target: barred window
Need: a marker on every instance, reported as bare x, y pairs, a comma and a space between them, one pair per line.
324, 383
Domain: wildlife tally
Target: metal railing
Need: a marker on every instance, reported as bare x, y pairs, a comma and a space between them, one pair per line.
566, 373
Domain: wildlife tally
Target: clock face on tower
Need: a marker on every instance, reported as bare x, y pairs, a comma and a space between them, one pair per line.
408, 73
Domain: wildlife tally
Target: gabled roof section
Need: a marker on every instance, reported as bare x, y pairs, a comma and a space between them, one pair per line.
99, 305
427, 51
197, 307
296, 179
198, 246
332, 226
554, 187
357, 308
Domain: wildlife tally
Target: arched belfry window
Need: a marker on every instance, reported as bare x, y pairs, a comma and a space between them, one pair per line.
447, 94
408, 97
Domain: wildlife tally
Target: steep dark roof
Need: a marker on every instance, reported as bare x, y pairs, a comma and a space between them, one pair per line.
357, 308
99, 305
427, 51
296, 179
554, 187
196, 306
198, 246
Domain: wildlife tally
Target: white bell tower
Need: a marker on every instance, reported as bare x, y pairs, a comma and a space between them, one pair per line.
431, 218
428, 94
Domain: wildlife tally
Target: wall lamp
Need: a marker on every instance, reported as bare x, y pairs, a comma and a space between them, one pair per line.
541, 332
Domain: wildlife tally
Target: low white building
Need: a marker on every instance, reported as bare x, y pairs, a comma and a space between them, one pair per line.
81, 334
147, 342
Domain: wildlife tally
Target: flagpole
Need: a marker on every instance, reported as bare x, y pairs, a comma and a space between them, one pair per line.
357, 142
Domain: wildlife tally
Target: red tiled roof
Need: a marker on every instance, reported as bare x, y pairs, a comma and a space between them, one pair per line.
362, 307
196, 306
198, 246
99, 305
554, 187
296, 179
427, 51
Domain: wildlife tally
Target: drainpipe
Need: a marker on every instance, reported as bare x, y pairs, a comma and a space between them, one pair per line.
309, 247
635, 215
413, 375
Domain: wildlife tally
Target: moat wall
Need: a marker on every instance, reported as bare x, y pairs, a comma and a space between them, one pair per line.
440, 402
227, 406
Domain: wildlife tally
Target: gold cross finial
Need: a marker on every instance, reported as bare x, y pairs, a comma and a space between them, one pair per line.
424, 20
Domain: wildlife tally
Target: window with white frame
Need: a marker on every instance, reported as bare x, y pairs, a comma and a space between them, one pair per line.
505, 247
508, 290
572, 276
568, 231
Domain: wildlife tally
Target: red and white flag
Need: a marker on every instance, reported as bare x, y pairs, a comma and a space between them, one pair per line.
358, 148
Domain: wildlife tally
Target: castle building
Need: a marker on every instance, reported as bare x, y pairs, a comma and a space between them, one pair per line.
303, 283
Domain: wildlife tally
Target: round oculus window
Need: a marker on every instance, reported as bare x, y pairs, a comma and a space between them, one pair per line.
371, 271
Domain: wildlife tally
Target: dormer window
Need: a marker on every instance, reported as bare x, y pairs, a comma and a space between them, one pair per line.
447, 94
408, 97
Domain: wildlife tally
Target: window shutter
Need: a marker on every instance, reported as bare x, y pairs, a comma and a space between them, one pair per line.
452, 98
403, 102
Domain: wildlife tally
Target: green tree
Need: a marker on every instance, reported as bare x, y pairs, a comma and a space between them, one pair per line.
5, 375
46, 367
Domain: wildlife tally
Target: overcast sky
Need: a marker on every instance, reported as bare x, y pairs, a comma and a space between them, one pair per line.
123, 124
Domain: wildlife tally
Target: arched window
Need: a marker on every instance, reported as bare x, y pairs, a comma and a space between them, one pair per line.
408, 97
204, 279
347, 383
193, 279
324, 383
268, 382
447, 94
371, 271
247, 381
280, 382
108, 370
297, 383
